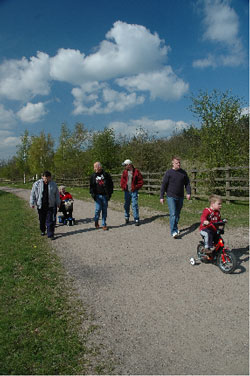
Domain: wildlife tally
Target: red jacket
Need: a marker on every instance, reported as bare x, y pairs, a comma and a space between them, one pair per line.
210, 215
66, 196
137, 180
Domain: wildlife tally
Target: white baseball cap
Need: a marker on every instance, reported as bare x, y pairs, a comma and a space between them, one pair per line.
127, 162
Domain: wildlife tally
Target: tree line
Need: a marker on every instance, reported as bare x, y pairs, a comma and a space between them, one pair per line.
221, 139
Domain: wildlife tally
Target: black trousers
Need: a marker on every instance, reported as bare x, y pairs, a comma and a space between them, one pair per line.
46, 218
66, 213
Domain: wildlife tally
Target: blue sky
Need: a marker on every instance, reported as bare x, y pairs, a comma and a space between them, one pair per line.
115, 63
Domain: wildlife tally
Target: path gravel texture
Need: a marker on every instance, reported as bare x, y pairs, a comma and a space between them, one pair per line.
156, 313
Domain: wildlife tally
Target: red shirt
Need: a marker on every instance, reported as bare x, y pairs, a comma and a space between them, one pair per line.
65, 196
213, 216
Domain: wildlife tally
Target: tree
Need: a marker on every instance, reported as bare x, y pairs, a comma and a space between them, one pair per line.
144, 150
220, 116
41, 153
105, 148
23, 154
9, 169
69, 156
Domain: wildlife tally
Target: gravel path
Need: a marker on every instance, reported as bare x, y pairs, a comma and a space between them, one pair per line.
156, 313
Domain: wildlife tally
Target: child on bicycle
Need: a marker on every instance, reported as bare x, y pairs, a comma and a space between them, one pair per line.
210, 216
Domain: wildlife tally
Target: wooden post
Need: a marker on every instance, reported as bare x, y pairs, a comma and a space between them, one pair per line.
194, 187
227, 172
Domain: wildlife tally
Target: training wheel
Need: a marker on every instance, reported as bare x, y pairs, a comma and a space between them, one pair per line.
192, 261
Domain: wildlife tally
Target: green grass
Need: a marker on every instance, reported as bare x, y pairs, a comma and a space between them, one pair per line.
40, 317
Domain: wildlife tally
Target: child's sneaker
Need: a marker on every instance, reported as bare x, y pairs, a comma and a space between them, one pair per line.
208, 251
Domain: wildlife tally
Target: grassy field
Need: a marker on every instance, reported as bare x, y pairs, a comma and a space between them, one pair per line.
40, 317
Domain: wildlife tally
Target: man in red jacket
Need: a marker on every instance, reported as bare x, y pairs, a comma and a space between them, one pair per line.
131, 182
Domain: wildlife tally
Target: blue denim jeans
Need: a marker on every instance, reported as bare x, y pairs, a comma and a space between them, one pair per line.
174, 205
128, 197
101, 205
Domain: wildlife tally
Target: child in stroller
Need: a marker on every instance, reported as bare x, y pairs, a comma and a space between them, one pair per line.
66, 207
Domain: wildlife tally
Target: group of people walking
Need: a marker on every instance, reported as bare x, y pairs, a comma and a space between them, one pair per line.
47, 198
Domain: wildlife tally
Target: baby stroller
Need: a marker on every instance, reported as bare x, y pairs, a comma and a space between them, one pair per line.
66, 208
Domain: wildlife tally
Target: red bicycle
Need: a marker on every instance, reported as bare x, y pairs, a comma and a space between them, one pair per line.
222, 256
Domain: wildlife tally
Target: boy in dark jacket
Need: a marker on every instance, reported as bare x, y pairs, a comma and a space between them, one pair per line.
101, 189
131, 182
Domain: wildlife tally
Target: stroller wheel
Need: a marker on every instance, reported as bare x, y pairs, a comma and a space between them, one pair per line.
70, 221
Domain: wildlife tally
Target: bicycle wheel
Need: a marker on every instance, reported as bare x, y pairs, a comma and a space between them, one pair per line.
200, 250
226, 262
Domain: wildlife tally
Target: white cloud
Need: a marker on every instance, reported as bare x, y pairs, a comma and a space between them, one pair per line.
94, 98
8, 144
127, 49
7, 118
32, 112
221, 27
209, 61
221, 22
68, 66
24, 79
163, 84
130, 56
161, 128
245, 111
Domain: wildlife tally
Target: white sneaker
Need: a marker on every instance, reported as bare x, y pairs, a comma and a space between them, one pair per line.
175, 234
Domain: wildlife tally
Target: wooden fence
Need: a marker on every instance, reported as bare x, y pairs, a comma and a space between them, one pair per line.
232, 183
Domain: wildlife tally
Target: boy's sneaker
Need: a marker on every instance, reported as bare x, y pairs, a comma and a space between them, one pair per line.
208, 251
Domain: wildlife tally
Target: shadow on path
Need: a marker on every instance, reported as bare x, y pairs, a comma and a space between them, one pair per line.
188, 230
142, 221
91, 220
239, 252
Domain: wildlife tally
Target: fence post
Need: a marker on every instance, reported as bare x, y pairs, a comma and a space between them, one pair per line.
148, 178
227, 172
194, 173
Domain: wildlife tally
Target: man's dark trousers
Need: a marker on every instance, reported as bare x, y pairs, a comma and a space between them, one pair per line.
46, 218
